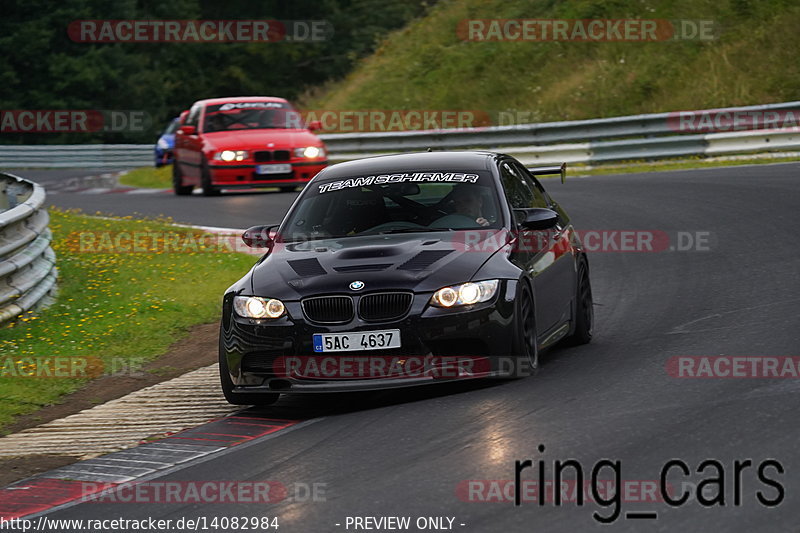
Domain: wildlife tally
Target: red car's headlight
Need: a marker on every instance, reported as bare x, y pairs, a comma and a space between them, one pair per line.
310, 152
231, 155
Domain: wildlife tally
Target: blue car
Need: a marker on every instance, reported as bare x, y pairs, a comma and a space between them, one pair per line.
164, 150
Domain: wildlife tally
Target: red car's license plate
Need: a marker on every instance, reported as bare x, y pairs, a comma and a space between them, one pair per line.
283, 168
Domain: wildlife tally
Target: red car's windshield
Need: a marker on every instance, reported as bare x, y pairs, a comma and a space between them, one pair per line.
232, 116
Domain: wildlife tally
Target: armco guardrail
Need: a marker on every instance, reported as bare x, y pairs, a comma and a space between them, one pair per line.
27, 263
76, 156
545, 133
649, 136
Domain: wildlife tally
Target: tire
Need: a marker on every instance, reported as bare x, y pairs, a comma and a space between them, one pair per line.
526, 351
205, 181
235, 398
289, 189
177, 182
584, 308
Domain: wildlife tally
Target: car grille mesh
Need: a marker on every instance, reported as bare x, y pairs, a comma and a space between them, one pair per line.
371, 307
262, 156
384, 306
260, 362
329, 309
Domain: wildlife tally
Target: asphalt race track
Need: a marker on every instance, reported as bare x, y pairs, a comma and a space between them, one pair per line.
411, 453
235, 210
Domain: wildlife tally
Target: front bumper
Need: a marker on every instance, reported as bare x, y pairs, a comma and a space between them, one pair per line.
163, 157
232, 175
437, 345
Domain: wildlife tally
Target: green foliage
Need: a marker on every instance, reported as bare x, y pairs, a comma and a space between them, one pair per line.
41, 68
148, 177
417, 60
427, 66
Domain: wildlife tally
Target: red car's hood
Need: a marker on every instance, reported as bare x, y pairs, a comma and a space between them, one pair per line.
260, 139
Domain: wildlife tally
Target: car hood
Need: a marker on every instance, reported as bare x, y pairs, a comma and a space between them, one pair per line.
260, 139
421, 262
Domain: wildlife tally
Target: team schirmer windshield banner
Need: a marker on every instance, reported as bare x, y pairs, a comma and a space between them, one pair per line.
379, 179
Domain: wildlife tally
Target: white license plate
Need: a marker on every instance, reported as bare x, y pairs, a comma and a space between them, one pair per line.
283, 168
362, 340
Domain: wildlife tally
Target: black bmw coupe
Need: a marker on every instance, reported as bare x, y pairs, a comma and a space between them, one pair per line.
402, 270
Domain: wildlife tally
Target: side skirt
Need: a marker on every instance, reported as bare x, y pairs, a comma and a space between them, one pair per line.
558, 334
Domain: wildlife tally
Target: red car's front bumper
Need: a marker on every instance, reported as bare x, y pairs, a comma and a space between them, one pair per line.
244, 175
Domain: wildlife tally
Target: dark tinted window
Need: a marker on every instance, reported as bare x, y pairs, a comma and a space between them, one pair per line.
413, 202
540, 198
232, 116
518, 190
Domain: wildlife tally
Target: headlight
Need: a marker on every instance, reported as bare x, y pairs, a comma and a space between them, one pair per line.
465, 294
256, 307
231, 155
310, 152
164, 145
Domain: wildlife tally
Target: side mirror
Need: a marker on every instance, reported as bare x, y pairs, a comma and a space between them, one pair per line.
537, 218
259, 236
314, 125
188, 130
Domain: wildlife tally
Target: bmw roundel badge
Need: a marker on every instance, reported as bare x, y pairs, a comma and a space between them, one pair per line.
357, 285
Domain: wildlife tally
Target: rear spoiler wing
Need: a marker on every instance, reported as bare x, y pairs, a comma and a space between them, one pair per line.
550, 171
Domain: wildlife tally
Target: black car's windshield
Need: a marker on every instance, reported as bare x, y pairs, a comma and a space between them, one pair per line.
233, 116
406, 202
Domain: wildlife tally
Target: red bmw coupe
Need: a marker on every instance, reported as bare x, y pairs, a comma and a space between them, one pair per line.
245, 142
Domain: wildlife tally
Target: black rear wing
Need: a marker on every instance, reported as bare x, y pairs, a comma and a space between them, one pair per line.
550, 171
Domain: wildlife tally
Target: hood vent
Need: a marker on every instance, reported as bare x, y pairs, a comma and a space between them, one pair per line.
363, 268
371, 251
424, 259
307, 267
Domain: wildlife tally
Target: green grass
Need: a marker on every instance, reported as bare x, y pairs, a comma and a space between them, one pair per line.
426, 66
148, 177
121, 308
661, 166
